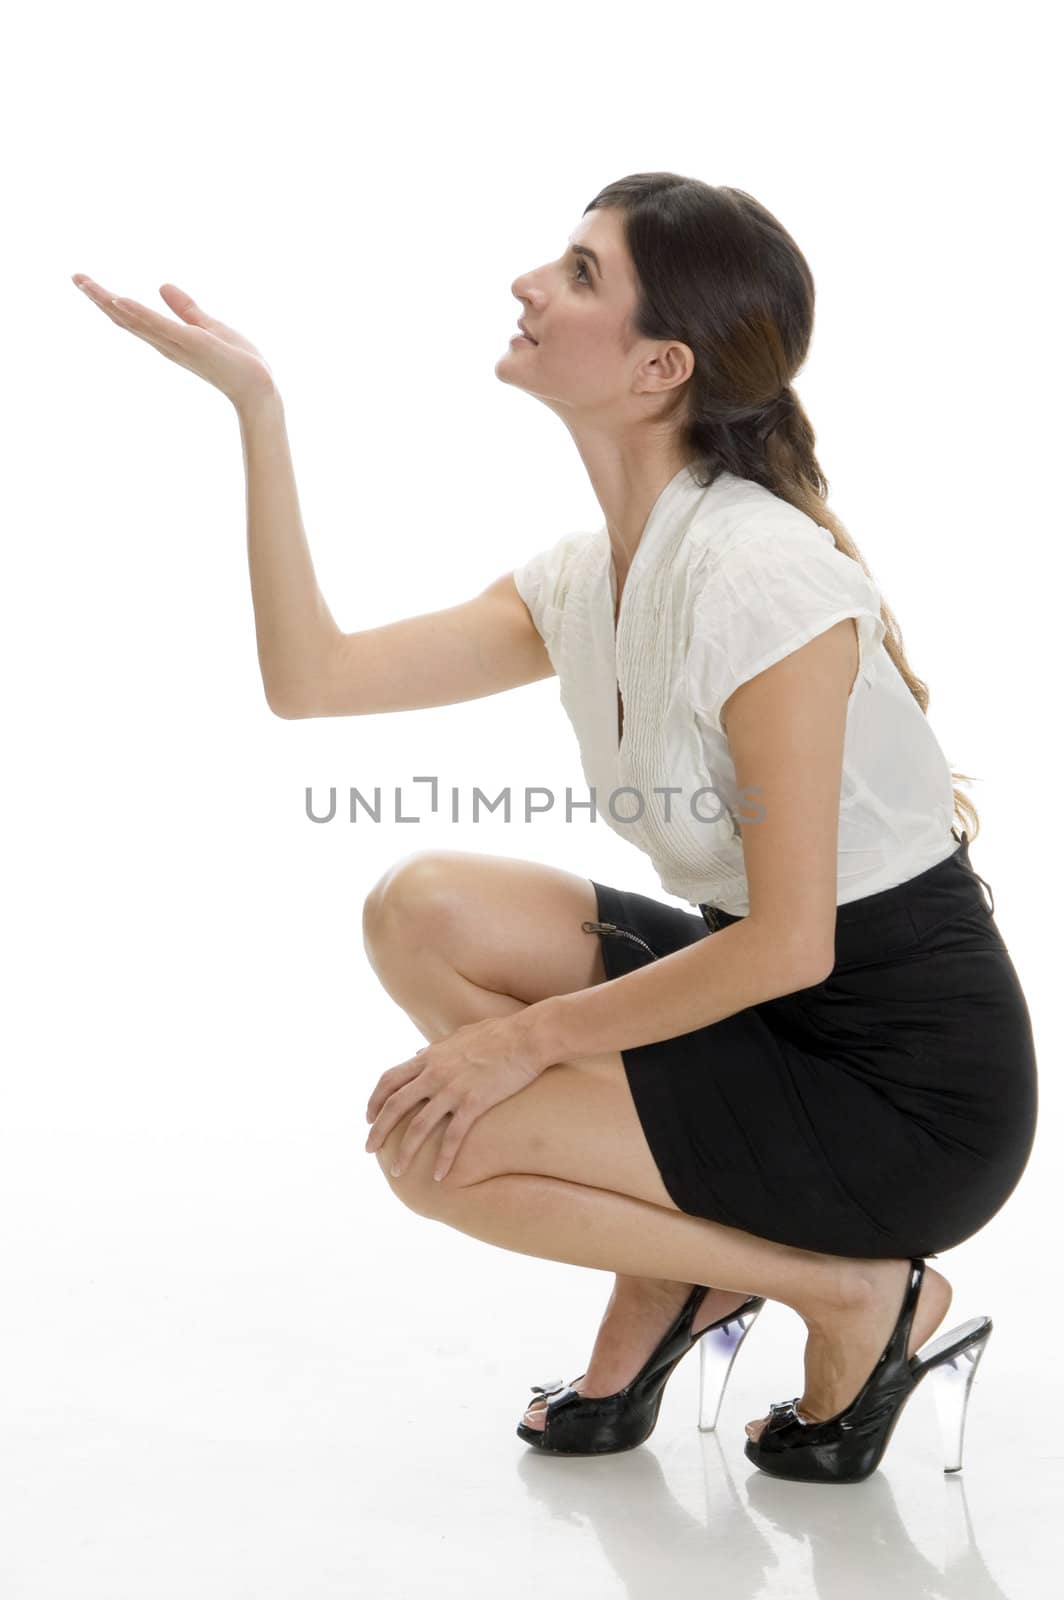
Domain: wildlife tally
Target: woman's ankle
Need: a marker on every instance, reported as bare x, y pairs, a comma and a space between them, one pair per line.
643, 1291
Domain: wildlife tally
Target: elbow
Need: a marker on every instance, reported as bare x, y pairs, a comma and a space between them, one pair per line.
818, 973
811, 963
298, 692
797, 961
284, 707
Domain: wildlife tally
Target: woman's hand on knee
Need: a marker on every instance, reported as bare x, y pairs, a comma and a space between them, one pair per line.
459, 1077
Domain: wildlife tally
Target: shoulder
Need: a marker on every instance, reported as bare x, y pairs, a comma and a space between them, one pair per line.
763, 586
745, 523
749, 546
545, 579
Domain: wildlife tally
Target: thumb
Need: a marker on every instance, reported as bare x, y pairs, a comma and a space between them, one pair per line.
183, 304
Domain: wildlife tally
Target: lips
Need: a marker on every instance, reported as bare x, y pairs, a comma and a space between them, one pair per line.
526, 333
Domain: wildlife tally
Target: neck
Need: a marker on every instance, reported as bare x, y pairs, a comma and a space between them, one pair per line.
626, 484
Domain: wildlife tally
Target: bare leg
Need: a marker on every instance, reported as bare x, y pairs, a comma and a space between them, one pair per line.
848, 1306
405, 943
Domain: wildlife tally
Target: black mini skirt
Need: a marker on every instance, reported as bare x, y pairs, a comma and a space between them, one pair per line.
888, 1111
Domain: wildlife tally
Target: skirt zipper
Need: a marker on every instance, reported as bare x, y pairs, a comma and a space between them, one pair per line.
613, 931
989, 891
963, 837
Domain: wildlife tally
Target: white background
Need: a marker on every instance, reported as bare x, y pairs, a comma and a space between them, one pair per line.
233, 1364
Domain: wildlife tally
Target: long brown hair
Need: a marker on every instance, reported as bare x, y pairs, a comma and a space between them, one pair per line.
717, 271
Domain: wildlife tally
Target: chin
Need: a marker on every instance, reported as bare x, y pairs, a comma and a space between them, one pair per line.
503, 372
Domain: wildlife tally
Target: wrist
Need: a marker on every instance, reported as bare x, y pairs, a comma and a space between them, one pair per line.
546, 1032
263, 400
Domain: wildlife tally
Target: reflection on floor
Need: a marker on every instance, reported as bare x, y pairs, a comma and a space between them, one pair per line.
258, 1385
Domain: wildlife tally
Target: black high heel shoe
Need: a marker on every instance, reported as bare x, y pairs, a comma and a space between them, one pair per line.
848, 1447
579, 1425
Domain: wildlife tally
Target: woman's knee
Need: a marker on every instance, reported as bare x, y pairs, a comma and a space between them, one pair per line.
511, 927
415, 891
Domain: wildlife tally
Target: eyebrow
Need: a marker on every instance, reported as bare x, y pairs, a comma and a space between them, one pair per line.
584, 250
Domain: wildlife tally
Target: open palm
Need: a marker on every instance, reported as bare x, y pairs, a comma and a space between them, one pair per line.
209, 348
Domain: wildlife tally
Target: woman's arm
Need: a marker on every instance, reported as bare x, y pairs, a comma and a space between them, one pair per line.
291, 618
294, 628
309, 667
786, 728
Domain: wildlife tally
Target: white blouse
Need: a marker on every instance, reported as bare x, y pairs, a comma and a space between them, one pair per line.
726, 581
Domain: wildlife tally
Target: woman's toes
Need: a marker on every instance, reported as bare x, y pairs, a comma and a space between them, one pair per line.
536, 1415
754, 1428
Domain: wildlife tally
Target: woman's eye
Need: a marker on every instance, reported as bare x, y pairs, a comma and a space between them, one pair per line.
581, 267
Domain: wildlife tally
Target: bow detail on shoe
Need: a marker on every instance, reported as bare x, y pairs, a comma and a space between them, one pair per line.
784, 1411
555, 1392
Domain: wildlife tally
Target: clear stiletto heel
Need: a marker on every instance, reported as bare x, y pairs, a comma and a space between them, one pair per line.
719, 1345
953, 1376
848, 1447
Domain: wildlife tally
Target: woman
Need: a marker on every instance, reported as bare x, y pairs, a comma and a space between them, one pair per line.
824, 1073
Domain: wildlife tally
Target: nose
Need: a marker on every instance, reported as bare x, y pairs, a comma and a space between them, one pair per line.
523, 288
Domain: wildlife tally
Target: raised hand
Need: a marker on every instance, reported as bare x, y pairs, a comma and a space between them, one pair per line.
207, 347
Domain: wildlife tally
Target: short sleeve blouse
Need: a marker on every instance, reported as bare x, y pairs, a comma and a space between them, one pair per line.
543, 583
768, 596
726, 580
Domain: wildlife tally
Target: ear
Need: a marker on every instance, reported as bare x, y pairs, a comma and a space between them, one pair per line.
671, 365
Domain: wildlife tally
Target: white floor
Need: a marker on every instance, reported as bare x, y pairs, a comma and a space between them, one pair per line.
233, 1370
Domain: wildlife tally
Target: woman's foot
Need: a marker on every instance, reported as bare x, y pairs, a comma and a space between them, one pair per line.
639, 1313
845, 1343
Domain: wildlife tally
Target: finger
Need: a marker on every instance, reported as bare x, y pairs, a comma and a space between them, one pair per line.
190, 312
382, 1125
391, 1080
111, 303
416, 1134
379, 1096
126, 314
88, 285
460, 1126
187, 309
379, 1132
130, 314
98, 294
385, 1086
158, 330
394, 1110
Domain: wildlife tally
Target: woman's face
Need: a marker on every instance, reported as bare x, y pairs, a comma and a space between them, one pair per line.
579, 309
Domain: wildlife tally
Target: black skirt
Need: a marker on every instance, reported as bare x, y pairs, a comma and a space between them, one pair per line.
888, 1111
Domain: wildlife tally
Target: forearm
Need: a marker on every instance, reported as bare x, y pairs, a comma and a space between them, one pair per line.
738, 966
293, 626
